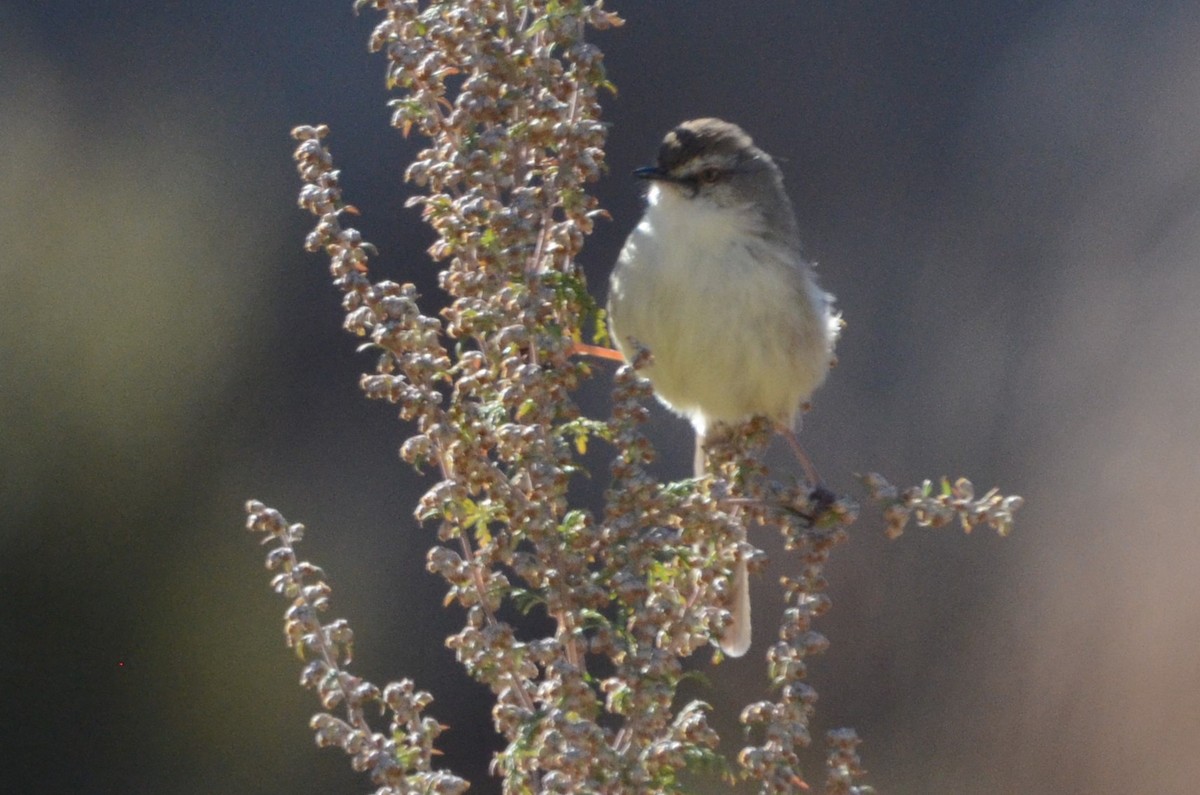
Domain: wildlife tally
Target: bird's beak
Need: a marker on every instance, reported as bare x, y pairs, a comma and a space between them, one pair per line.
651, 172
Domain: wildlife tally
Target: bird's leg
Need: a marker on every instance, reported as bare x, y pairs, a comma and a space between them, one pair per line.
599, 351
810, 471
820, 497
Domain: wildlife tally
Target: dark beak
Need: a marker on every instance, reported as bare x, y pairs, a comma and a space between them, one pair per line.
650, 172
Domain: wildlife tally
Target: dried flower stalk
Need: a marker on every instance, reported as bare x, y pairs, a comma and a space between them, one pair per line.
506, 92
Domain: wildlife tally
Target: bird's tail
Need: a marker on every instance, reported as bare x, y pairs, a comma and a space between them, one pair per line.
735, 640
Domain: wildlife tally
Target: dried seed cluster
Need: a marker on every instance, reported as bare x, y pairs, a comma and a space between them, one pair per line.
931, 508
506, 92
812, 524
400, 761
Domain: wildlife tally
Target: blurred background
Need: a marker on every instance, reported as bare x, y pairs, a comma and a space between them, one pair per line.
1003, 195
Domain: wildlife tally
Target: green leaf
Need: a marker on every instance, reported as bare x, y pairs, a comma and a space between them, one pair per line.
526, 408
573, 522
525, 599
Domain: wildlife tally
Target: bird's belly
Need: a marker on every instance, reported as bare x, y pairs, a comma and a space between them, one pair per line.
731, 336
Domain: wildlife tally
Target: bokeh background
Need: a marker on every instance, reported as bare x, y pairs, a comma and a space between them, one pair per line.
1004, 196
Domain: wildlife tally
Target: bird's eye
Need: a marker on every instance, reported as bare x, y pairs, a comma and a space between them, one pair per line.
709, 175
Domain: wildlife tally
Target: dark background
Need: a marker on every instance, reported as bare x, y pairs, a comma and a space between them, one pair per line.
1004, 196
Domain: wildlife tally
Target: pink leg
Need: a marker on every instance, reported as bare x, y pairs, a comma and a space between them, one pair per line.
806, 463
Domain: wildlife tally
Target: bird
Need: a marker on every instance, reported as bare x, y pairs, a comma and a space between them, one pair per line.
714, 284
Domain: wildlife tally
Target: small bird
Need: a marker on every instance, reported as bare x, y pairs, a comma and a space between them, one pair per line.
712, 282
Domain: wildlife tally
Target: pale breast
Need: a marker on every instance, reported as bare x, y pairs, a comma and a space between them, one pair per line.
736, 326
